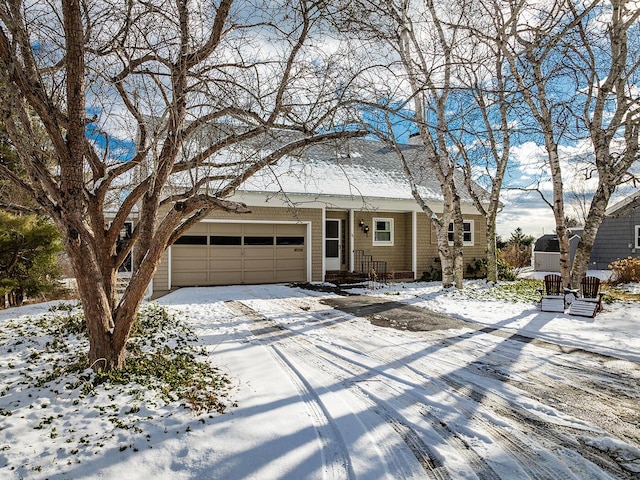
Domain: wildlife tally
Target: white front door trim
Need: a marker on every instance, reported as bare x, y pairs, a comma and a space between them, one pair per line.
332, 262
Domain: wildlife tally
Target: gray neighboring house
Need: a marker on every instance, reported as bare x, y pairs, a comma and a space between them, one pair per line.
546, 251
619, 234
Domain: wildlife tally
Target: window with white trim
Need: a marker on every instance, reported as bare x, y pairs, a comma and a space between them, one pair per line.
467, 232
383, 231
637, 242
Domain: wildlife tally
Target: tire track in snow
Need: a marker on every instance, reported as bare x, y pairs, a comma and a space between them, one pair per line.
296, 351
551, 431
547, 434
557, 440
552, 443
585, 366
333, 451
346, 371
532, 463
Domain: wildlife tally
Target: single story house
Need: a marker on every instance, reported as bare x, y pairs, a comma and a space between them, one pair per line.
318, 213
545, 255
619, 233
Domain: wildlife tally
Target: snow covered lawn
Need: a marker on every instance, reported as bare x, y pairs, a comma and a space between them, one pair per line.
323, 394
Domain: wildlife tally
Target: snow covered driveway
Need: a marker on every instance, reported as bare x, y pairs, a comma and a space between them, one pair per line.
324, 394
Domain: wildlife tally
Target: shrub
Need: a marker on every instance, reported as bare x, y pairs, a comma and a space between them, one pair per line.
434, 274
506, 271
519, 256
625, 270
477, 268
28, 248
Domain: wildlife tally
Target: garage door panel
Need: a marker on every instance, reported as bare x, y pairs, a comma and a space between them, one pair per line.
182, 251
290, 276
259, 264
189, 278
259, 277
226, 264
290, 229
241, 253
191, 265
290, 252
259, 252
259, 229
225, 278
289, 264
225, 252
225, 229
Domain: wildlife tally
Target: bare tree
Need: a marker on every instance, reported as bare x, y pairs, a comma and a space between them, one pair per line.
577, 65
607, 61
486, 146
201, 85
535, 56
422, 76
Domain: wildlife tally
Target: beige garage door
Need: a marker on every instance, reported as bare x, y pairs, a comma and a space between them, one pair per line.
233, 253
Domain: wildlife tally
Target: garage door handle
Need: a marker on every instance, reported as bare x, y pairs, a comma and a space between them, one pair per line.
297, 249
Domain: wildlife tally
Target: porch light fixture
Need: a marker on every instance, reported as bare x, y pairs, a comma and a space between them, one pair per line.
363, 227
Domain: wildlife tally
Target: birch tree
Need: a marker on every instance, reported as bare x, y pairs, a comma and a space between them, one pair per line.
607, 61
155, 109
486, 147
535, 58
577, 64
427, 41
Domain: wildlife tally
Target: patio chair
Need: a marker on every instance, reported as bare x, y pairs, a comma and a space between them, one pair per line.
590, 302
552, 294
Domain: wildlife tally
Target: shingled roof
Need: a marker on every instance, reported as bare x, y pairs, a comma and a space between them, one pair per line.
624, 206
356, 167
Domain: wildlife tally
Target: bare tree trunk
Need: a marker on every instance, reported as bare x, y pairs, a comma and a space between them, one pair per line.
492, 251
96, 306
585, 245
562, 231
606, 125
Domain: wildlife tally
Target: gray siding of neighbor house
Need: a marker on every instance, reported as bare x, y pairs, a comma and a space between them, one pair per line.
615, 239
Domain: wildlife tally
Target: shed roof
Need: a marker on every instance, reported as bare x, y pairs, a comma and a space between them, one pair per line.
549, 243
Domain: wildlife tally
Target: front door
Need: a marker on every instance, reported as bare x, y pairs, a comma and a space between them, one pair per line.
332, 244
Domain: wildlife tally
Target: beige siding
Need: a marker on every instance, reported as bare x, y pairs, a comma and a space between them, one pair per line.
428, 243
398, 255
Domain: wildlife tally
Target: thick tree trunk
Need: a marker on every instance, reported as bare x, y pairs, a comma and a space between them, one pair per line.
562, 231
592, 224
446, 259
